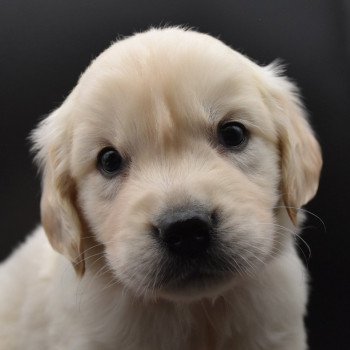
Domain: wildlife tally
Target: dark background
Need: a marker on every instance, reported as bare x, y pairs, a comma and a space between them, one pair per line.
45, 45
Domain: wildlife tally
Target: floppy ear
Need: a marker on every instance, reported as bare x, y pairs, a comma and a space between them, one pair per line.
301, 159
59, 211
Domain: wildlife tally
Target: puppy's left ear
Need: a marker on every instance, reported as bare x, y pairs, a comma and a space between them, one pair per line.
301, 159
60, 214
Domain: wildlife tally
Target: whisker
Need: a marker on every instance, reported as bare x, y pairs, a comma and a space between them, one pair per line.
306, 211
295, 235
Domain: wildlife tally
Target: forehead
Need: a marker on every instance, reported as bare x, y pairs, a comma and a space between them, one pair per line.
168, 81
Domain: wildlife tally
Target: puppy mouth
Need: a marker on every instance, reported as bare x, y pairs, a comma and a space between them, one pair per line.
198, 273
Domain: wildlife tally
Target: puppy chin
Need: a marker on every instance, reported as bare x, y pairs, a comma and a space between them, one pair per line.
196, 289
184, 287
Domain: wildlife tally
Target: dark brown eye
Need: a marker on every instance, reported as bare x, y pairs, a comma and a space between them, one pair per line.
232, 135
109, 161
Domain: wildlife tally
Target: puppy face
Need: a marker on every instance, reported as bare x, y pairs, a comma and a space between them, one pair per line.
174, 152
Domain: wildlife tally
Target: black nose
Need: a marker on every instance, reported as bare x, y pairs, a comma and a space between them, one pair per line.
186, 233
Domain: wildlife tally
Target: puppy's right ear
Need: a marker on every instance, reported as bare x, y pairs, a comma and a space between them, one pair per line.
59, 210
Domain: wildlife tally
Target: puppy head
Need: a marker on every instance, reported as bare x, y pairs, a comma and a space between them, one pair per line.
174, 150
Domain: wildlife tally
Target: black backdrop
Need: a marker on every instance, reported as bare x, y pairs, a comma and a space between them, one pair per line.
45, 45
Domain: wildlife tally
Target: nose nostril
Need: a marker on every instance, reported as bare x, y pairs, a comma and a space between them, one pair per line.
174, 240
199, 238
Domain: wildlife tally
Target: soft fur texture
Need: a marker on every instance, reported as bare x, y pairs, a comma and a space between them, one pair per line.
101, 280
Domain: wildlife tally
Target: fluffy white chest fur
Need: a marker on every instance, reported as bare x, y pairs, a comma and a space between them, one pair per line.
172, 178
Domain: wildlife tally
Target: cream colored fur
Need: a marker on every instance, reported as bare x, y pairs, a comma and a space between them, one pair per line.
97, 281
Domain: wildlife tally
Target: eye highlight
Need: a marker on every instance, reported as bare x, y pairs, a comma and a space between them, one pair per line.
232, 135
109, 161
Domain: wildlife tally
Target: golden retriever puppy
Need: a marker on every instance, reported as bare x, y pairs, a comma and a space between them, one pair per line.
172, 178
